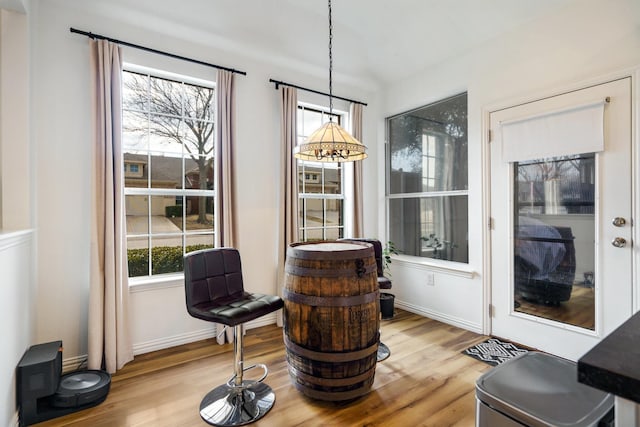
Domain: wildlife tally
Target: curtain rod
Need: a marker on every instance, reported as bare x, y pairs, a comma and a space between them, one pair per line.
277, 83
159, 52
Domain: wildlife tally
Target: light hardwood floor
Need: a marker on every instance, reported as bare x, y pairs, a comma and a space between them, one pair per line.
579, 310
425, 382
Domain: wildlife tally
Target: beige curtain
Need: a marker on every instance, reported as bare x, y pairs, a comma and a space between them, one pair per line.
355, 113
288, 180
225, 136
224, 158
109, 338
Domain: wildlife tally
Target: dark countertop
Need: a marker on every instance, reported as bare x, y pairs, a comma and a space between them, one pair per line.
613, 365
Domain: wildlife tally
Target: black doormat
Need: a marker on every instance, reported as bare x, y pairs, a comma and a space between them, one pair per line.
494, 352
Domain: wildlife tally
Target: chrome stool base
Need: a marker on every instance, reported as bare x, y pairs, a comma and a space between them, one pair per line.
229, 405
383, 352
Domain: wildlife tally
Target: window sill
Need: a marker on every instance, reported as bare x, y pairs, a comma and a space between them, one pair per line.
439, 266
165, 281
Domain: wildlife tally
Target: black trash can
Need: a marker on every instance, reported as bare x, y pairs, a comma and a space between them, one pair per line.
539, 390
386, 305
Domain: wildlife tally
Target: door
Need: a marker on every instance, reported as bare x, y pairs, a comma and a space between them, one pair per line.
561, 253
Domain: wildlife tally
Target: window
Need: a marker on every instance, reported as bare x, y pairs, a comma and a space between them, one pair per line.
427, 187
133, 170
168, 160
320, 185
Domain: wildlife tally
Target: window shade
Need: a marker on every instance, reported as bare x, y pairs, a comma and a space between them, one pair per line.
574, 130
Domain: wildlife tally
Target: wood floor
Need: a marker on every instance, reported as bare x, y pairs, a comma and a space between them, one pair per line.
579, 310
425, 382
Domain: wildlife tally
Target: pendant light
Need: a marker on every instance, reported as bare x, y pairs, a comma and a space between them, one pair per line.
330, 143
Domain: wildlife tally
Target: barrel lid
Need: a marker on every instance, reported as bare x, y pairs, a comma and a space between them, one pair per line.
329, 246
330, 250
539, 389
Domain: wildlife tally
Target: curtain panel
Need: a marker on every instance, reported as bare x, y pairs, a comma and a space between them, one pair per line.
109, 341
288, 205
225, 169
355, 113
224, 158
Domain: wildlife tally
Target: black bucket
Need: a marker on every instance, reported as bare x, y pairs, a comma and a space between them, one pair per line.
386, 305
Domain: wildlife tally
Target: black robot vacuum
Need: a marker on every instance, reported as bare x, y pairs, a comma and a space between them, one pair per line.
43, 393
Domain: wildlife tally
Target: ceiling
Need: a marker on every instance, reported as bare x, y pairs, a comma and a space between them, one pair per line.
374, 41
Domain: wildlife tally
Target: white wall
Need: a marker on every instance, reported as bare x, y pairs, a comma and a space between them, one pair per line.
17, 283
582, 42
17, 328
15, 161
62, 140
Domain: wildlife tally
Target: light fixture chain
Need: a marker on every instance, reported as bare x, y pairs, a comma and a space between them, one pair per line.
330, 65
330, 143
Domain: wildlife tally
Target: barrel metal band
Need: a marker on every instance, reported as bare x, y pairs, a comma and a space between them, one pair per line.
337, 301
332, 396
333, 382
323, 356
341, 272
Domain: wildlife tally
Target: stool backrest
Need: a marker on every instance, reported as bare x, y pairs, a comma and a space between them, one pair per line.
212, 274
377, 249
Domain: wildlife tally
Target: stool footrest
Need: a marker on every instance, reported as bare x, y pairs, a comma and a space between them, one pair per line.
231, 382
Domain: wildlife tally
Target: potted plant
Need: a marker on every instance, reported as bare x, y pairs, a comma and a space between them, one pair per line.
387, 299
440, 247
388, 250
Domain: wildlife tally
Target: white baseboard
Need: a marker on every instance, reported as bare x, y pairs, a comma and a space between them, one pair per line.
444, 318
189, 337
167, 342
74, 363
265, 320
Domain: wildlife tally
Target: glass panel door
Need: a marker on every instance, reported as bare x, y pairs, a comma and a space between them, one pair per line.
562, 272
554, 239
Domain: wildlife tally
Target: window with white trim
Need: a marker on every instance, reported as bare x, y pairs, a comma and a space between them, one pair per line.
321, 196
427, 184
168, 146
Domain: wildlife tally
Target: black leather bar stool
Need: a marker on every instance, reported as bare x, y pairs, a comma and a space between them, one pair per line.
215, 293
383, 283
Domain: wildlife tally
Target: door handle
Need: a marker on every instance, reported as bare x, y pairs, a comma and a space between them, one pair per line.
618, 221
619, 242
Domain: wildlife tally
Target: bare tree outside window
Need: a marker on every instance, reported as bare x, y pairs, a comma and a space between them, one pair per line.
177, 112
168, 143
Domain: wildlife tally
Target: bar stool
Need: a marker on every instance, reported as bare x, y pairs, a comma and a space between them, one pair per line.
383, 283
215, 292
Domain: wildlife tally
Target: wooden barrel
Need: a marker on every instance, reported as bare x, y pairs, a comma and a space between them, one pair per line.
331, 318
